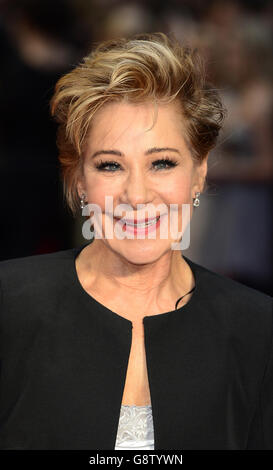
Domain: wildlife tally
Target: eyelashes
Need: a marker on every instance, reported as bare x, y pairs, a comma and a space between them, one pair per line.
102, 166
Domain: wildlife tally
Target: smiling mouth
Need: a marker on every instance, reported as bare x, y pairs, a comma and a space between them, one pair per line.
141, 224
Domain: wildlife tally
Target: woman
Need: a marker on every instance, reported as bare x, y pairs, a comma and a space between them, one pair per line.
122, 342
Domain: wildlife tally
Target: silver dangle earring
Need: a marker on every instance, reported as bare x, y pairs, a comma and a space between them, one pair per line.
196, 201
82, 204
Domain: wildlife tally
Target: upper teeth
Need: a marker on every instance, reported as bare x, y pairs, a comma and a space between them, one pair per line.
144, 224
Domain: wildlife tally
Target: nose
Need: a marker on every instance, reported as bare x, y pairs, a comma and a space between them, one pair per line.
136, 189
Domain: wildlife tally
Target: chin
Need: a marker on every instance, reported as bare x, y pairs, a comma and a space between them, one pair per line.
141, 251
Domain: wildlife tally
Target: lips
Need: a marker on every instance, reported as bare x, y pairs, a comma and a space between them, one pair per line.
136, 221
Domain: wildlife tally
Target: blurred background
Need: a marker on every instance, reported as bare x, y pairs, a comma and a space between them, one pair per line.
40, 40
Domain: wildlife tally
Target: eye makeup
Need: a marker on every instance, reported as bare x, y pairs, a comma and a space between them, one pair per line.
170, 163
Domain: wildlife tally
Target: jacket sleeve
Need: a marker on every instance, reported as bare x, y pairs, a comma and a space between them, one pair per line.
261, 429
1, 312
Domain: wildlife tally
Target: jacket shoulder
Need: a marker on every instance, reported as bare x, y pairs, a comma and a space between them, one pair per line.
16, 272
228, 290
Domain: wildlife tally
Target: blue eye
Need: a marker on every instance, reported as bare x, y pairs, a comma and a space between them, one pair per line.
102, 165
165, 161
164, 164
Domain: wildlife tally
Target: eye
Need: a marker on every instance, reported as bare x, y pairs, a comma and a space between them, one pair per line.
112, 166
102, 166
166, 162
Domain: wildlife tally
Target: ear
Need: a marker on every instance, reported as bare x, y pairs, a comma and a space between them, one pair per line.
81, 187
200, 175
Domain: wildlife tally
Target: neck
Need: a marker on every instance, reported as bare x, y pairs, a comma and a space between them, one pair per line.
153, 284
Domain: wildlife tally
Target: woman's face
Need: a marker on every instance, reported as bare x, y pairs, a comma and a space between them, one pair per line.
123, 159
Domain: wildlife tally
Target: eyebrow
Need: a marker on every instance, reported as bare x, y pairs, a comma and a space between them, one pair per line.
148, 152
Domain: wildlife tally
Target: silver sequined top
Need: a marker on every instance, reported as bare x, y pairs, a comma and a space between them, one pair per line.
135, 429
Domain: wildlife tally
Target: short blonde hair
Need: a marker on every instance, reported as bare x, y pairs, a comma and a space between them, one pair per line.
142, 68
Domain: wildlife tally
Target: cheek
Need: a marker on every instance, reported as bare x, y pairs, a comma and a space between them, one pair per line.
98, 189
178, 192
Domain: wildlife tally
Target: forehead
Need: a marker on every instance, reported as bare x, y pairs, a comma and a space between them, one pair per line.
121, 124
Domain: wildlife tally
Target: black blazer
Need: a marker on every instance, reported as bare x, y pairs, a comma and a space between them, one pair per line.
64, 358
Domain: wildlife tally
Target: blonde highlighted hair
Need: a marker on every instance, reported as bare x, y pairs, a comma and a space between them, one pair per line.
147, 67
